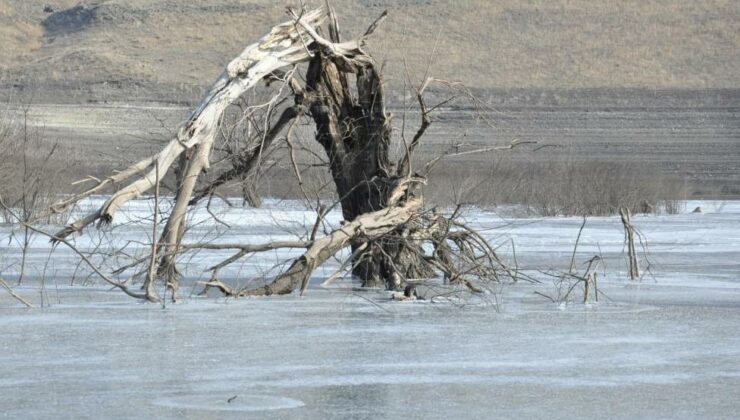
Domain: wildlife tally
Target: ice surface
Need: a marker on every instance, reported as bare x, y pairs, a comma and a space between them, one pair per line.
665, 347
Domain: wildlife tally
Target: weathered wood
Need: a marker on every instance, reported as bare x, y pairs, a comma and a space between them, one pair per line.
284, 46
629, 237
370, 225
354, 129
151, 277
246, 165
384, 221
590, 280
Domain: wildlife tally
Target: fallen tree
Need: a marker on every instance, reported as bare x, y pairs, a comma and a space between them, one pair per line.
385, 222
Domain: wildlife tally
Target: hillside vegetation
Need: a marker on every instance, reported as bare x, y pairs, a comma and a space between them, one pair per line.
182, 45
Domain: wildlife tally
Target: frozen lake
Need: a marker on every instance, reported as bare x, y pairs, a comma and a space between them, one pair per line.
665, 347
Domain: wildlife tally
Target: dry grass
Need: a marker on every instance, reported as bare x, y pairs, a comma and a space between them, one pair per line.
558, 187
183, 45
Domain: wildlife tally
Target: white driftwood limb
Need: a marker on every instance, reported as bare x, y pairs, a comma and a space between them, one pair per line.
283, 46
140, 166
369, 226
150, 282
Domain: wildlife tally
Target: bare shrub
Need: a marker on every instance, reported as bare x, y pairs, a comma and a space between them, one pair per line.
559, 187
32, 168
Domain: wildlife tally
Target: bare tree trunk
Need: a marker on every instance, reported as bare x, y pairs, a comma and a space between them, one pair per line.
175, 227
590, 280
629, 235
355, 132
151, 277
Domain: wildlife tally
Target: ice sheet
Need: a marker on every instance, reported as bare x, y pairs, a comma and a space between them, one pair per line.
666, 347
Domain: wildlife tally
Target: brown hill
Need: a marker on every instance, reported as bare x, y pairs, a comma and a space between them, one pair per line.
172, 46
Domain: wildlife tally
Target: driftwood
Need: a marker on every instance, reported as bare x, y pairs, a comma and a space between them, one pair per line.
385, 223
283, 46
369, 226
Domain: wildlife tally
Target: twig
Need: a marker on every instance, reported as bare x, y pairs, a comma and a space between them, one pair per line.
575, 247
545, 296
84, 258
13, 294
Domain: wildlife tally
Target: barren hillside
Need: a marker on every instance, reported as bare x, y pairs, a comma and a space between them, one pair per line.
172, 48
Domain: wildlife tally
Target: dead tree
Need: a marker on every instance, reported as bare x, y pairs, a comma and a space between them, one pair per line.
629, 239
385, 222
590, 282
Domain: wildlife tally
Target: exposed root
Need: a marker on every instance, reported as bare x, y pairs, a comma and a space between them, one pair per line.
462, 256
